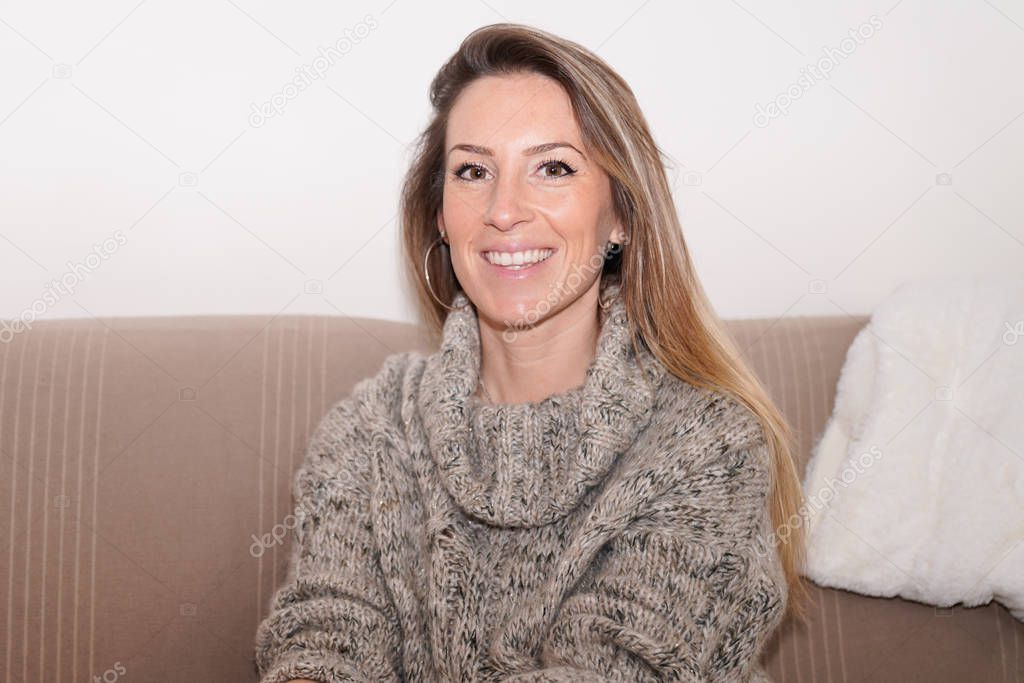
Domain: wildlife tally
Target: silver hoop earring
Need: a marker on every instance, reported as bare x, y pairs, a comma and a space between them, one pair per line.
426, 275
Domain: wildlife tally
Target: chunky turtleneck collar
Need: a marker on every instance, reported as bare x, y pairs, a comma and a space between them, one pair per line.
529, 464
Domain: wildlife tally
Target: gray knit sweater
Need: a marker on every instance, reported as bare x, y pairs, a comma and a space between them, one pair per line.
611, 532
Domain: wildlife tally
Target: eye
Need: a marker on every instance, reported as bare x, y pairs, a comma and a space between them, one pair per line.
552, 168
477, 169
560, 168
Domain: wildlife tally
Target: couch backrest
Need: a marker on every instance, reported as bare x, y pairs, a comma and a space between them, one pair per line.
146, 468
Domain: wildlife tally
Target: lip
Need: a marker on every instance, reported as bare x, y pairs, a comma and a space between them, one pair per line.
522, 273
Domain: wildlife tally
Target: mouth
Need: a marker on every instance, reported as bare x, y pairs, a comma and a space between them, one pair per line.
517, 260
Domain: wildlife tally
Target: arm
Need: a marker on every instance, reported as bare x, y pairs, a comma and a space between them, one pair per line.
332, 619
686, 593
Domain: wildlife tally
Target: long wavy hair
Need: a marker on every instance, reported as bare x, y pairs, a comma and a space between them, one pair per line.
665, 302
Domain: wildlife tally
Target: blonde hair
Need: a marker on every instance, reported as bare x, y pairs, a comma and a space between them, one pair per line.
665, 301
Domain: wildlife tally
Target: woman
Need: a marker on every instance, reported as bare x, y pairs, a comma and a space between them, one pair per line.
583, 483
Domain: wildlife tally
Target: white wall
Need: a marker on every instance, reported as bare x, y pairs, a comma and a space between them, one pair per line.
130, 122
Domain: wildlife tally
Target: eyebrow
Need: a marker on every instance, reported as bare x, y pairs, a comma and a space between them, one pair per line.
529, 151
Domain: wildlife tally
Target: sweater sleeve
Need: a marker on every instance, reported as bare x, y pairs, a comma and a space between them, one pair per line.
689, 592
332, 619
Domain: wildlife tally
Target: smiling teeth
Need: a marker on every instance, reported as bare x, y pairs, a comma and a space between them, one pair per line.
517, 258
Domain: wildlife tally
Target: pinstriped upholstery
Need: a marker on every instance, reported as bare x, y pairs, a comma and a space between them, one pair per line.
145, 470
849, 637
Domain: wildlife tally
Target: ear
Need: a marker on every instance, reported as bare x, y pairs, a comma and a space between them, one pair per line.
441, 227
618, 234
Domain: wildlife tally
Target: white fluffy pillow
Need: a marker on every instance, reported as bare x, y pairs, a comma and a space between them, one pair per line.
916, 487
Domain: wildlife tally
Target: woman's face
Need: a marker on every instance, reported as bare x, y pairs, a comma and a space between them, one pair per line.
526, 210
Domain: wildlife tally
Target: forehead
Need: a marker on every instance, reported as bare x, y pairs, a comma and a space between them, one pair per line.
512, 111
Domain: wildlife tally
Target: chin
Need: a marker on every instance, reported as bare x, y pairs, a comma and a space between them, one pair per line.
515, 310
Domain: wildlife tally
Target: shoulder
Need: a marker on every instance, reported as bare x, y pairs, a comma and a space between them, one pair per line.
372, 407
386, 385
707, 453
707, 427
378, 396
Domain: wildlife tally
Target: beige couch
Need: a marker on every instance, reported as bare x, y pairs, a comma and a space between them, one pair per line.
145, 470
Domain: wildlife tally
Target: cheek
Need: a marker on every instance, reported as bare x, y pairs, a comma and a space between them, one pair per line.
460, 223
577, 219
460, 210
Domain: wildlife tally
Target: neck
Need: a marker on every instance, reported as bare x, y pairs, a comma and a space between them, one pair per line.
547, 358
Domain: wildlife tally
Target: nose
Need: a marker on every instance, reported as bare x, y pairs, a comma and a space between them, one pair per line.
507, 206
